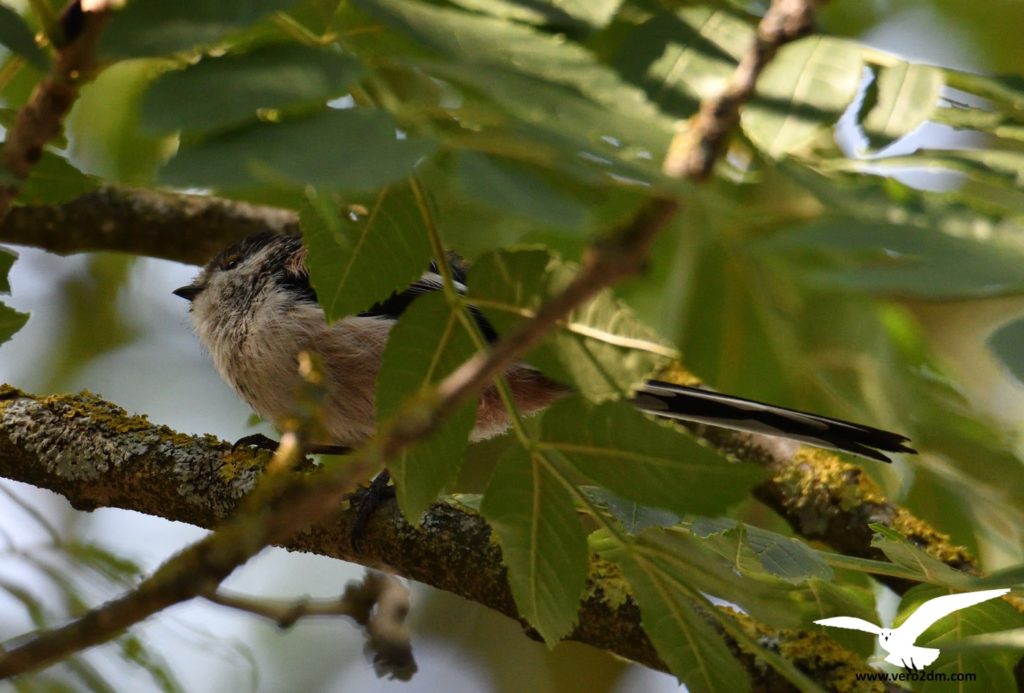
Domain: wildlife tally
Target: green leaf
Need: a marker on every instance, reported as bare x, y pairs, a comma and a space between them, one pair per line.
900, 551
905, 96
802, 92
355, 149
18, 38
680, 58
514, 189
649, 462
693, 650
1007, 343
154, 27
633, 516
567, 13
601, 348
7, 258
362, 251
543, 544
218, 92
10, 322
763, 551
425, 346
996, 669
53, 180
899, 259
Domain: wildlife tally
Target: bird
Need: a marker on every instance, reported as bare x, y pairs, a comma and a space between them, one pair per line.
899, 642
254, 309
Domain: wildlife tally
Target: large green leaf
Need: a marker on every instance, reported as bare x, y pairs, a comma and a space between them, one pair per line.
355, 149
7, 258
156, 27
542, 541
763, 551
425, 346
218, 92
650, 462
601, 348
18, 38
680, 58
693, 650
996, 669
901, 259
901, 97
802, 92
365, 249
900, 551
568, 13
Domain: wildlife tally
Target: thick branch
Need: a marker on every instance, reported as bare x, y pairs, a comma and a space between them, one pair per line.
95, 454
184, 228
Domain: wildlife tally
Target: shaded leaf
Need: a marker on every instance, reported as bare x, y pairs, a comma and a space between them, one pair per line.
900, 551
16, 36
995, 668
567, 13
517, 190
542, 541
426, 344
784, 557
7, 258
693, 650
1007, 343
217, 92
354, 149
901, 259
154, 27
53, 180
361, 252
632, 516
905, 95
601, 348
802, 92
10, 322
646, 461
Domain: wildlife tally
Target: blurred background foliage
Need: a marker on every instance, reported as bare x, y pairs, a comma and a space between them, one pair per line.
858, 254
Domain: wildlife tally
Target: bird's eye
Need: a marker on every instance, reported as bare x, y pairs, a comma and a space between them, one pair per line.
230, 262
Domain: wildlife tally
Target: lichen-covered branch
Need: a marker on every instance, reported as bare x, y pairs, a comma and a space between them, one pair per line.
95, 454
41, 118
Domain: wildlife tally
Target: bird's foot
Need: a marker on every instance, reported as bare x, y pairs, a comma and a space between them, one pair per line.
378, 491
258, 440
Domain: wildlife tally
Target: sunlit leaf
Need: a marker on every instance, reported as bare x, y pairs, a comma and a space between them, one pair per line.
18, 38
356, 149
646, 461
426, 345
217, 92
904, 96
363, 251
802, 92
542, 541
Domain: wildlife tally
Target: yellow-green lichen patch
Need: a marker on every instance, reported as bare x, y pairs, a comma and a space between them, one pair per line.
814, 473
606, 583
238, 463
931, 540
9, 392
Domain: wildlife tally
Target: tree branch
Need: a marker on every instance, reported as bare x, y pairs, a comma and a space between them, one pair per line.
95, 454
41, 118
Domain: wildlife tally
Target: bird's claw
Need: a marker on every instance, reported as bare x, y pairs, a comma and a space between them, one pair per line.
376, 494
256, 440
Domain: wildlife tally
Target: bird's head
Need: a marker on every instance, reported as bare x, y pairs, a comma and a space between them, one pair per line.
885, 635
267, 268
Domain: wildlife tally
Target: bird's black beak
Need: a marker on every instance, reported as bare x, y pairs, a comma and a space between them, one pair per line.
189, 292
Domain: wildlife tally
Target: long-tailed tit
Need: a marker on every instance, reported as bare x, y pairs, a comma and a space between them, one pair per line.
254, 310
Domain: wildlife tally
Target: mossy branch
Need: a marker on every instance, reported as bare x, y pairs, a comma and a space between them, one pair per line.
97, 455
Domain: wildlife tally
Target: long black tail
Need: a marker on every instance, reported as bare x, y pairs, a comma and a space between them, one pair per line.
715, 409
